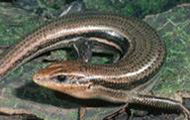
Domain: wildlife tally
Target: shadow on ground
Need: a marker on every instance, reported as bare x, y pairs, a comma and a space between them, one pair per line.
134, 112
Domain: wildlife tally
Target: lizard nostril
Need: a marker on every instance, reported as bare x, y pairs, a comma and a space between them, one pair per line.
36, 77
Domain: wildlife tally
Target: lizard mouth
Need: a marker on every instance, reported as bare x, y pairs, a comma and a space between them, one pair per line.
75, 89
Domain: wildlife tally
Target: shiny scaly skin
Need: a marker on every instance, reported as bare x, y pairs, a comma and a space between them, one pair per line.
143, 54
50, 36
148, 48
123, 81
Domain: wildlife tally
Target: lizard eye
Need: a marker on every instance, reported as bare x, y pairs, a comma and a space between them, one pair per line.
61, 78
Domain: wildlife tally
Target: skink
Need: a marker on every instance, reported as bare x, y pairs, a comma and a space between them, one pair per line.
143, 55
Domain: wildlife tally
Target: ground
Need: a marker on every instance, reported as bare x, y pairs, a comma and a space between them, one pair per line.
20, 93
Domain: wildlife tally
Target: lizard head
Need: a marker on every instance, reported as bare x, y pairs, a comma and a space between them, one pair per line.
68, 77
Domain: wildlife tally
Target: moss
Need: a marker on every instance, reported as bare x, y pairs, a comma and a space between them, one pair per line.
138, 8
15, 24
